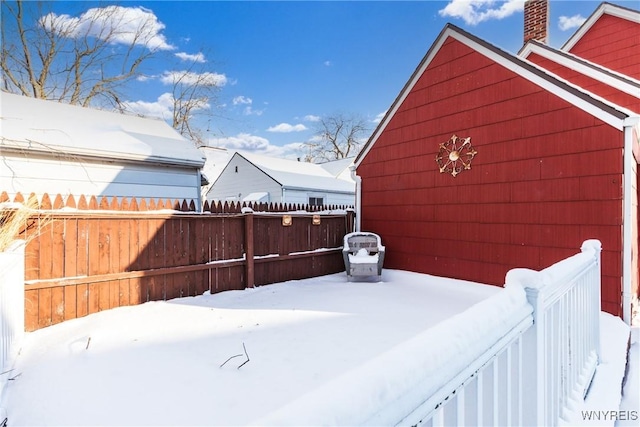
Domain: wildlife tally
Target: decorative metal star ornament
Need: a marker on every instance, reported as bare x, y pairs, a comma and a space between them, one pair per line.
455, 155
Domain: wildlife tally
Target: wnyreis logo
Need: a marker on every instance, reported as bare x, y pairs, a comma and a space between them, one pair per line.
609, 415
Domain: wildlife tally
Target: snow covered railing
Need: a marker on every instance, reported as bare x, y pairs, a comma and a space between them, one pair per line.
539, 375
565, 341
523, 356
11, 306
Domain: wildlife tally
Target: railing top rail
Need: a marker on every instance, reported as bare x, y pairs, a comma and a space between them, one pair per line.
554, 280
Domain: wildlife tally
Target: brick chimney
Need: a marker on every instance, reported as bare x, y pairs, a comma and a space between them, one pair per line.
536, 20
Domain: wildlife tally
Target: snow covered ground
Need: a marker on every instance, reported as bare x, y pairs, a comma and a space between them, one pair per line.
163, 363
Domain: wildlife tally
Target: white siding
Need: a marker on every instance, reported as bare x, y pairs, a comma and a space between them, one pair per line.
302, 197
232, 185
95, 178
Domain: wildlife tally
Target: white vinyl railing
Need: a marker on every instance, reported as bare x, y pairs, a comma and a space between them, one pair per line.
538, 371
11, 307
520, 357
565, 340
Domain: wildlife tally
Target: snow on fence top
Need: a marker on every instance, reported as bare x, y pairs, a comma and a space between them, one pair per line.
104, 203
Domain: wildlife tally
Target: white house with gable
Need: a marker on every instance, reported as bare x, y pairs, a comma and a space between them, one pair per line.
55, 148
250, 177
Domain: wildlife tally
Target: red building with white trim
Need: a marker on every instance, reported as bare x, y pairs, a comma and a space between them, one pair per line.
488, 161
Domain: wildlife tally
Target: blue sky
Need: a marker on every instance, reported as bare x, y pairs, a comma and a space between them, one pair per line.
283, 64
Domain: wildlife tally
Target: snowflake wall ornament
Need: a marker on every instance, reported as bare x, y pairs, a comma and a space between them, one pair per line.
455, 155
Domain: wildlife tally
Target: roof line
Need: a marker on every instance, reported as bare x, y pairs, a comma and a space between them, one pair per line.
536, 75
608, 8
257, 167
620, 81
401, 95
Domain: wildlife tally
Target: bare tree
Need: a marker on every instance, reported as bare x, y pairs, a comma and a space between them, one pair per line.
192, 95
337, 136
83, 61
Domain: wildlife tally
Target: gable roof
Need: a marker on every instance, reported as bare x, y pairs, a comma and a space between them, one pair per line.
295, 175
49, 127
604, 8
621, 82
608, 112
216, 159
339, 168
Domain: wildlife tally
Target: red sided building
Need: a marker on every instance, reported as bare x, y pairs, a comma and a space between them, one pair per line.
488, 161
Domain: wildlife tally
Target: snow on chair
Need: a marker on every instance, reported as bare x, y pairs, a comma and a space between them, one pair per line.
363, 254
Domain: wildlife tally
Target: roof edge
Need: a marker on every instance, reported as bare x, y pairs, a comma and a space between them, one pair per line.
604, 8
599, 108
610, 77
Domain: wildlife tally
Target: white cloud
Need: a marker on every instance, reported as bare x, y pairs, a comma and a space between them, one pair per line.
242, 100
475, 11
286, 128
311, 118
256, 144
379, 117
242, 141
162, 108
570, 22
249, 111
189, 78
118, 24
196, 57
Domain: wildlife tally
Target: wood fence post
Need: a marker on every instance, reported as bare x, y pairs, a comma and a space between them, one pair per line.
249, 249
351, 214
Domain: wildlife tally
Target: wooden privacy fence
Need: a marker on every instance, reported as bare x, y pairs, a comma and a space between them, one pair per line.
79, 262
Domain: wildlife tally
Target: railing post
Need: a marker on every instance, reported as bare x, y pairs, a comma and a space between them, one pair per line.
533, 347
595, 247
248, 247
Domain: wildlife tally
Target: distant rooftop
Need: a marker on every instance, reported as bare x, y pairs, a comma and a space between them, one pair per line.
37, 125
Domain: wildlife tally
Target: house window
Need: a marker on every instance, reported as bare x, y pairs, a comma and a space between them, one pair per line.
316, 201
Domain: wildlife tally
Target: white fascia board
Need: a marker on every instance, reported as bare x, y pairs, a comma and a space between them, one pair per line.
609, 9
77, 153
611, 78
610, 119
403, 94
627, 225
511, 63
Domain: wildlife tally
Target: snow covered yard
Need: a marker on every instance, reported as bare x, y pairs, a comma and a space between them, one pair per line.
160, 363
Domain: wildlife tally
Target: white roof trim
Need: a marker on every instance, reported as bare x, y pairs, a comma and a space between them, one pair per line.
508, 61
609, 9
403, 95
611, 78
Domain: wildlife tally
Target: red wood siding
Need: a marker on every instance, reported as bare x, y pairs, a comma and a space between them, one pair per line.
614, 43
592, 85
547, 177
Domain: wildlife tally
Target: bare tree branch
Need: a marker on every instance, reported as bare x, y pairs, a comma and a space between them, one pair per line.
337, 136
71, 60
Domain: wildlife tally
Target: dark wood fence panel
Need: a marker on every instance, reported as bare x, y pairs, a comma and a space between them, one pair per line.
79, 262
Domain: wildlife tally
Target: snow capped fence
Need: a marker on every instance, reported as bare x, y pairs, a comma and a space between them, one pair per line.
11, 306
133, 204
